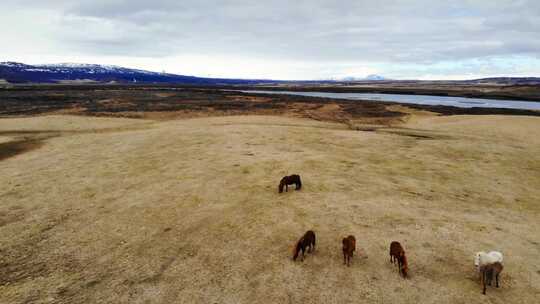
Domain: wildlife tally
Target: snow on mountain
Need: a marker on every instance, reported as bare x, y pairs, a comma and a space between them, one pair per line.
50, 73
12, 64
78, 65
372, 77
92, 68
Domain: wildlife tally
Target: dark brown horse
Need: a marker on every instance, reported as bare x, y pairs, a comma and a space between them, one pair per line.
397, 254
488, 272
289, 180
349, 246
306, 241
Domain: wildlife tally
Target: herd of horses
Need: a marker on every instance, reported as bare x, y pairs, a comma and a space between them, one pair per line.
489, 265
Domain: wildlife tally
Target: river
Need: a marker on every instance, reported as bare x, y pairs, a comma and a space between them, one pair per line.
462, 102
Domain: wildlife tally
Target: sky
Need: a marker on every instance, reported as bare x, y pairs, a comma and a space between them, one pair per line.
398, 39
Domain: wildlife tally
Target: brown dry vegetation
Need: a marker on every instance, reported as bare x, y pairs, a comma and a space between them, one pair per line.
163, 103
117, 210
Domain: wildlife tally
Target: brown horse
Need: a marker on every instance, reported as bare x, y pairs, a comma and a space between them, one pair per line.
306, 241
488, 272
289, 180
349, 246
397, 253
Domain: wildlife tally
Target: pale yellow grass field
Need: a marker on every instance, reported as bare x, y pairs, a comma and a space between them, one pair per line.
187, 211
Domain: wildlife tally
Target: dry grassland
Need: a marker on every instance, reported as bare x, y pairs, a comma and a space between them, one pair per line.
113, 210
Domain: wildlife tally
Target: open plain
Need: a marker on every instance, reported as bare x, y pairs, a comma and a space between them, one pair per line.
174, 207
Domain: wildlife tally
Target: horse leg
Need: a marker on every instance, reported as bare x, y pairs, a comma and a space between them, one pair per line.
497, 280
286, 188
344, 258
480, 274
484, 281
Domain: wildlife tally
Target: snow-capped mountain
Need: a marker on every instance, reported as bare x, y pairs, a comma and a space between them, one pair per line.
375, 77
372, 77
15, 72
90, 68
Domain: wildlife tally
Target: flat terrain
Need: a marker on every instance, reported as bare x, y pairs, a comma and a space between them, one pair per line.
118, 210
170, 102
501, 89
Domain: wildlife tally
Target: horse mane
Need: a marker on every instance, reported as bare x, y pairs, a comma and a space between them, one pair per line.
404, 260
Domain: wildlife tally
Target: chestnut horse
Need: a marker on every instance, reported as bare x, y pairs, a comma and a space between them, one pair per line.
306, 241
397, 253
349, 246
488, 272
289, 180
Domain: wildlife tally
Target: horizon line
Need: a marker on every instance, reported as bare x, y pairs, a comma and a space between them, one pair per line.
332, 79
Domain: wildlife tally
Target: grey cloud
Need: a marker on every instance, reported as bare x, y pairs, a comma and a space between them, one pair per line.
394, 32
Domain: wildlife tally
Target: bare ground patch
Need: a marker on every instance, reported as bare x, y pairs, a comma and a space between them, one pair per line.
12, 148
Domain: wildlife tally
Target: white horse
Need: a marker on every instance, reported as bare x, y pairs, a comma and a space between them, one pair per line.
481, 258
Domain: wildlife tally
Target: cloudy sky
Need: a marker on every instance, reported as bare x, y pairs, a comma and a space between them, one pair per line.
423, 39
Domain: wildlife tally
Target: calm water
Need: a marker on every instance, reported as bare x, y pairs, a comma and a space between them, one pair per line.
461, 102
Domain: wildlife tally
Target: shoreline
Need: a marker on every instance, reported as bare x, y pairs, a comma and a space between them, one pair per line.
526, 92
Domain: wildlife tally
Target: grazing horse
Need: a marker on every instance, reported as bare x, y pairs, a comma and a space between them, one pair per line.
482, 258
306, 241
289, 180
349, 246
397, 253
489, 271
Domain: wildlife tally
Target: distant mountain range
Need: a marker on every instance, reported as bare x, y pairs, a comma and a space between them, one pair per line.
14, 72
372, 77
507, 80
